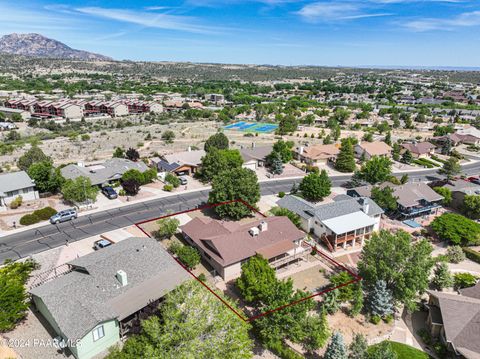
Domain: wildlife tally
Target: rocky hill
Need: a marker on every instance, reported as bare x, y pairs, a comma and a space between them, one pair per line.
36, 45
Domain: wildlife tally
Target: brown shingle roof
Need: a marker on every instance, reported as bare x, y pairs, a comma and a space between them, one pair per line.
230, 242
461, 320
420, 148
321, 152
376, 148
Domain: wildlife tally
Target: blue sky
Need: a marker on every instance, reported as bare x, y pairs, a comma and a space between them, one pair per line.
288, 32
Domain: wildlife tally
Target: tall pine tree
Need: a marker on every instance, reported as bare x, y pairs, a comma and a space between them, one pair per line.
336, 348
346, 158
358, 347
380, 301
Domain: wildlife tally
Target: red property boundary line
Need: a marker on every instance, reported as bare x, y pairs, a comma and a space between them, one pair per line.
356, 277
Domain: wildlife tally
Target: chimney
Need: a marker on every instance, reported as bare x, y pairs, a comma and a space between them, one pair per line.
365, 205
263, 226
122, 277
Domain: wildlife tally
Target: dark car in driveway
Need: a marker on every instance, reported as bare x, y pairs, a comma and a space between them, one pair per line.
109, 192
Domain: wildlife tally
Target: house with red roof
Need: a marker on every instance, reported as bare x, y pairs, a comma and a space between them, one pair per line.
227, 245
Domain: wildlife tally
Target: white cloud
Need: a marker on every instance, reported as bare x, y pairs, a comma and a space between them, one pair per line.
334, 11
150, 19
467, 19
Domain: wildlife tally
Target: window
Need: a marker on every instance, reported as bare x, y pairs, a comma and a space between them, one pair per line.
98, 333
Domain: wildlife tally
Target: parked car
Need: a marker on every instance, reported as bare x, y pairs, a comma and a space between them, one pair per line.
102, 243
183, 180
109, 192
63, 216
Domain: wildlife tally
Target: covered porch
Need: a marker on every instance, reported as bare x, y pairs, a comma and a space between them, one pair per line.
348, 231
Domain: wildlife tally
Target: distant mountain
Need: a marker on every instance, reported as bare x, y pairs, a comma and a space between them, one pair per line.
36, 45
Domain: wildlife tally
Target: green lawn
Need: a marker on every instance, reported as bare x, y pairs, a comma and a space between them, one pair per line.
407, 352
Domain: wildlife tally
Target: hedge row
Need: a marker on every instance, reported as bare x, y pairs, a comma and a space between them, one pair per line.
472, 254
37, 216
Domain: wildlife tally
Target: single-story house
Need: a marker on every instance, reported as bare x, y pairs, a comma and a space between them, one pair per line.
255, 157
110, 170
101, 298
413, 199
419, 149
344, 222
317, 154
460, 188
227, 245
463, 137
181, 163
370, 149
455, 320
16, 184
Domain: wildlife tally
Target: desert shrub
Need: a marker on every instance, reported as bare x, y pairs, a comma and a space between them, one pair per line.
388, 318
45, 213
17, 202
202, 277
455, 254
29, 219
168, 188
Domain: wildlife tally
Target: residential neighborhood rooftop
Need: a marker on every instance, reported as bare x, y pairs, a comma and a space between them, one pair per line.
91, 293
230, 242
110, 170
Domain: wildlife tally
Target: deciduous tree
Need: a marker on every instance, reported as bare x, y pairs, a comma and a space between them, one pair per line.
403, 265
237, 183
193, 324
79, 190
315, 187
375, 170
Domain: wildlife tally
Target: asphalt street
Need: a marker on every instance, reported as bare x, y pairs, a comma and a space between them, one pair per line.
26, 243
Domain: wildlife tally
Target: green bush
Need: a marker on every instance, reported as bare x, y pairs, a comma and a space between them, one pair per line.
388, 318
202, 277
168, 188
29, 219
471, 254
17, 202
281, 194
172, 180
425, 335
375, 319
44, 213
282, 350
189, 256
464, 280
122, 192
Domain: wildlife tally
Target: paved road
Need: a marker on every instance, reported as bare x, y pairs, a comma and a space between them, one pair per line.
26, 243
